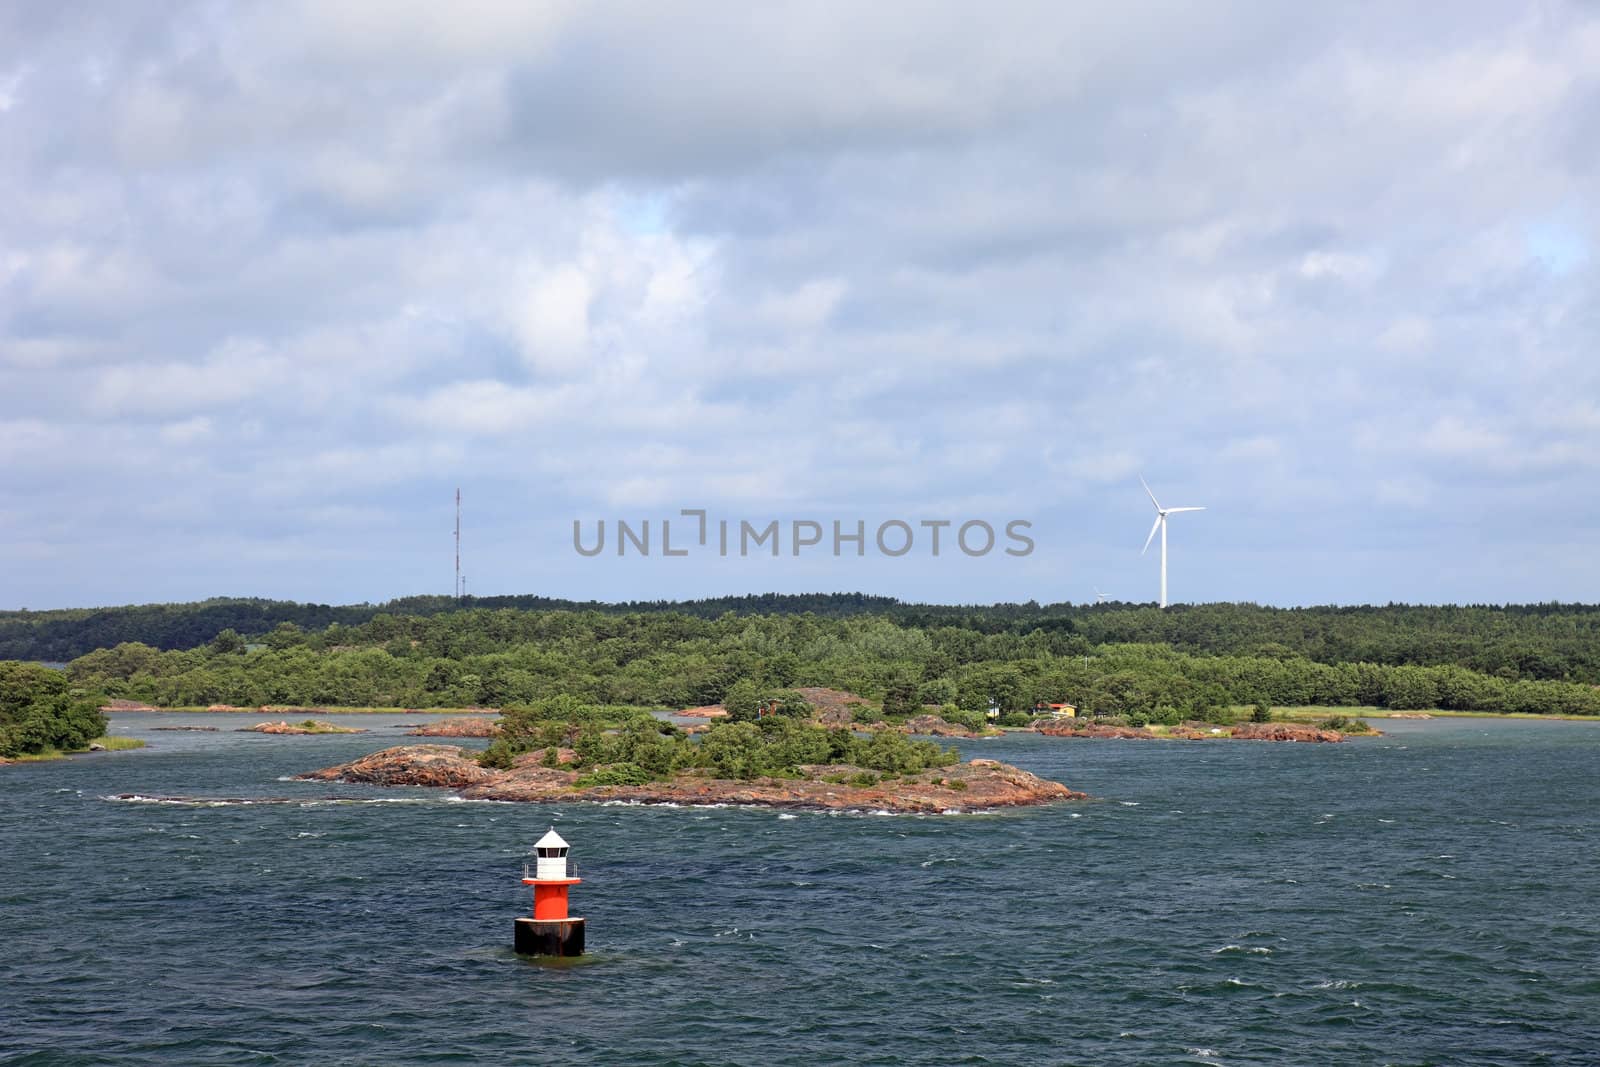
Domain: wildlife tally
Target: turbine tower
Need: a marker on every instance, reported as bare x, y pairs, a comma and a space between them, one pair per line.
1161, 524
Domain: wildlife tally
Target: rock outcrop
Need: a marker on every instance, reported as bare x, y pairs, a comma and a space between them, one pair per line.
441, 766
935, 726
978, 784
833, 707
473, 727
705, 711
307, 727
1077, 728
1283, 731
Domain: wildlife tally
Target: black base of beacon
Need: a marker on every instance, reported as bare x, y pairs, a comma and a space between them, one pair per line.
549, 937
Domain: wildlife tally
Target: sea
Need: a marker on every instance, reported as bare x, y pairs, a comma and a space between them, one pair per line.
1425, 897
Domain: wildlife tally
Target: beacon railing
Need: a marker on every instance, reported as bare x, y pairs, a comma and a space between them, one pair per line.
572, 869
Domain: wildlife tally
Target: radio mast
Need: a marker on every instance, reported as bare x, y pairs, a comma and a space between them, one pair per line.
458, 544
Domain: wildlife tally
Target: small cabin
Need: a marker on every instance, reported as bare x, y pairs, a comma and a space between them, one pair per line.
550, 856
1056, 711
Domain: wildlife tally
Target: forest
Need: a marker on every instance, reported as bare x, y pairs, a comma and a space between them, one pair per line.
1542, 642
1121, 661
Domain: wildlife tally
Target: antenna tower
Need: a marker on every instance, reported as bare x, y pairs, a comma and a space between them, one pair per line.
458, 544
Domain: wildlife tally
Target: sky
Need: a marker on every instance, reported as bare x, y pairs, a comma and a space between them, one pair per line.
276, 279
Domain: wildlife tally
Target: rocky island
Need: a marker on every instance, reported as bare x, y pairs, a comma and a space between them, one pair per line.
461, 727
308, 726
974, 785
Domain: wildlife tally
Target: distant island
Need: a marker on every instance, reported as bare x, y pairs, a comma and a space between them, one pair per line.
866, 664
1208, 662
562, 749
306, 726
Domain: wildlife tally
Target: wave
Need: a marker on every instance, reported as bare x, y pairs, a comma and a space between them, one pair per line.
231, 802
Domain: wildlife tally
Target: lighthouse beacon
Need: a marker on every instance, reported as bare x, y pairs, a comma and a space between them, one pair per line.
550, 931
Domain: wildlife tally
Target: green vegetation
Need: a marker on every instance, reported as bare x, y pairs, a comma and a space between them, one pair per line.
40, 714
1345, 725
636, 749
1158, 667
1549, 642
315, 726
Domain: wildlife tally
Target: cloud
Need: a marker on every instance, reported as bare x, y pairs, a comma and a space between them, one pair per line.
334, 259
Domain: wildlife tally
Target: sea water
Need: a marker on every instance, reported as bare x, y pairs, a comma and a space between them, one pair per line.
1424, 897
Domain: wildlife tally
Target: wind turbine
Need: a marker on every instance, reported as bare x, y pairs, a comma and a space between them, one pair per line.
1101, 598
1161, 524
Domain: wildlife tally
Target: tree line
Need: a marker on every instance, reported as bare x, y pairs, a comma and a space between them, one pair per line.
668, 659
1548, 642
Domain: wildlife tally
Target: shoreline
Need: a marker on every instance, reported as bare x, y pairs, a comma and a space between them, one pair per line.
1297, 713
1320, 711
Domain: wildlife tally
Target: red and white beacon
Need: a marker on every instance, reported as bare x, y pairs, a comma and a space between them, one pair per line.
550, 931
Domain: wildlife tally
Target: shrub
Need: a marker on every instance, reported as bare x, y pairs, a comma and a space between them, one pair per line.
1345, 724
901, 700
972, 720
615, 774
497, 756
1261, 713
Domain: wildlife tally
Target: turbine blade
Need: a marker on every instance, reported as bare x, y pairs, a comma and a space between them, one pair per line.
1148, 493
1171, 510
1152, 536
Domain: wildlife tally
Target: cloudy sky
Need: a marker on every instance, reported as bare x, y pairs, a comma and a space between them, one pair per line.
276, 279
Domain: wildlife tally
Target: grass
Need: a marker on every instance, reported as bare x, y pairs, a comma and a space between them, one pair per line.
42, 756
110, 744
